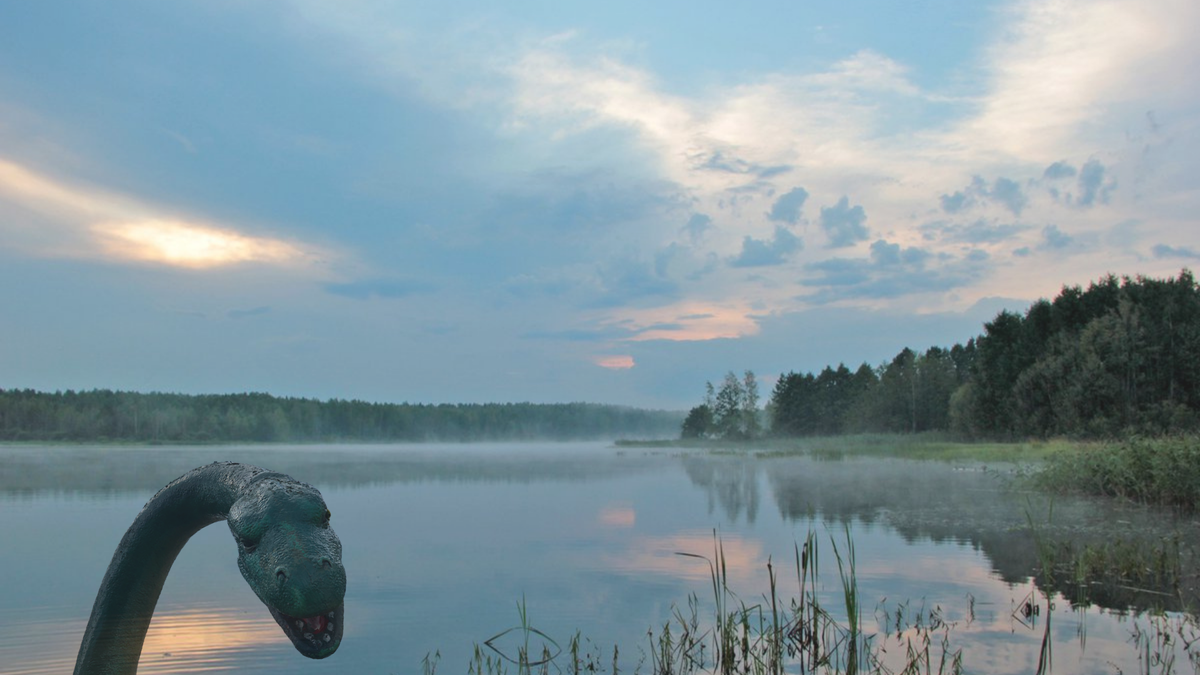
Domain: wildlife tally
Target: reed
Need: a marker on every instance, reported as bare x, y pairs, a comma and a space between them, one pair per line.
1159, 471
768, 637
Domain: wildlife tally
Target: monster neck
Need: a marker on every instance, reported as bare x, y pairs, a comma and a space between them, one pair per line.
112, 642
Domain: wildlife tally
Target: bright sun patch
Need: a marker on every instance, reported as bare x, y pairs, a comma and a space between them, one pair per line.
186, 245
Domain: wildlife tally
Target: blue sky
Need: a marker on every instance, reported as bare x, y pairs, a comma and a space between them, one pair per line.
608, 202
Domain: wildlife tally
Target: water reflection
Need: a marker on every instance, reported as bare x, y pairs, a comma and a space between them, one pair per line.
617, 515
731, 484
46, 640
180, 640
972, 504
744, 559
209, 640
29, 471
442, 541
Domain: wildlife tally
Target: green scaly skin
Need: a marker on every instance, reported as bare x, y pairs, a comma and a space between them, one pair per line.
287, 552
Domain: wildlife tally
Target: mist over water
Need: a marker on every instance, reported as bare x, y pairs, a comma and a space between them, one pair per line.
441, 543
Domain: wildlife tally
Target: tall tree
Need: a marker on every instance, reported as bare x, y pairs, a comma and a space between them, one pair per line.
728, 413
750, 425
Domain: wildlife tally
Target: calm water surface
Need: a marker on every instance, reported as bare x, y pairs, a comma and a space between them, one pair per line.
441, 543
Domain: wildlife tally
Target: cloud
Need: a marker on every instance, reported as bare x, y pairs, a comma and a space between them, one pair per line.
1092, 186
628, 280
379, 288
1054, 238
1008, 193
890, 271
1059, 170
664, 323
183, 244
561, 202
1004, 191
843, 224
697, 226
885, 254
619, 362
1165, 251
978, 232
763, 253
759, 129
966, 198
86, 222
789, 205
959, 201
717, 161
1058, 63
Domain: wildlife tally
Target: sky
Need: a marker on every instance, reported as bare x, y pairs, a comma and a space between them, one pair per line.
551, 202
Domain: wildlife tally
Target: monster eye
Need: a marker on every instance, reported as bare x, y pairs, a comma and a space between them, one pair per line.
247, 544
327, 514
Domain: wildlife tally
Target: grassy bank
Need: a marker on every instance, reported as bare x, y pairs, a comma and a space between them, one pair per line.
1156, 471
1162, 471
930, 446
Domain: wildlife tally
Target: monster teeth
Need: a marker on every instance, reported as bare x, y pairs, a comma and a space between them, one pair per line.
327, 638
330, 615
299, 624
308, 636
329, 627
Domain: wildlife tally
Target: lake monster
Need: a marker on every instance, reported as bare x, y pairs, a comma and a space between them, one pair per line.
287, 553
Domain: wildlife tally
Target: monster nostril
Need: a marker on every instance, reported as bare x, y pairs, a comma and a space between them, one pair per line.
281, 574
325, 562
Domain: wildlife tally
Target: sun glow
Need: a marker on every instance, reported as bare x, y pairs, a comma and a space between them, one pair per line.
86, 222
187, 245
204, 640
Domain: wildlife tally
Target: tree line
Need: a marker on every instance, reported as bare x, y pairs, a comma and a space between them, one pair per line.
1120, 357
103, 415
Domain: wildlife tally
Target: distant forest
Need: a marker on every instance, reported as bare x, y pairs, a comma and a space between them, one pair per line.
1120, 357
103, 415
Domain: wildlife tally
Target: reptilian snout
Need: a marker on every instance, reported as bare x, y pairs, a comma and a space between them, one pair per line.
292, 558
303, 571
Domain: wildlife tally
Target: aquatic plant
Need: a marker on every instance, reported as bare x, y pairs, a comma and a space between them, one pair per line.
1159, 471
730, 636
768, 637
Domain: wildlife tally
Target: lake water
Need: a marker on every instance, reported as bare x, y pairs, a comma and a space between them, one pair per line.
441, 544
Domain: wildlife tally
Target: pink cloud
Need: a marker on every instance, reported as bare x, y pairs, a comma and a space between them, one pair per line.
622, 362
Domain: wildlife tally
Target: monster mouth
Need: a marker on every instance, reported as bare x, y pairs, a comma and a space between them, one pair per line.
314, 636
